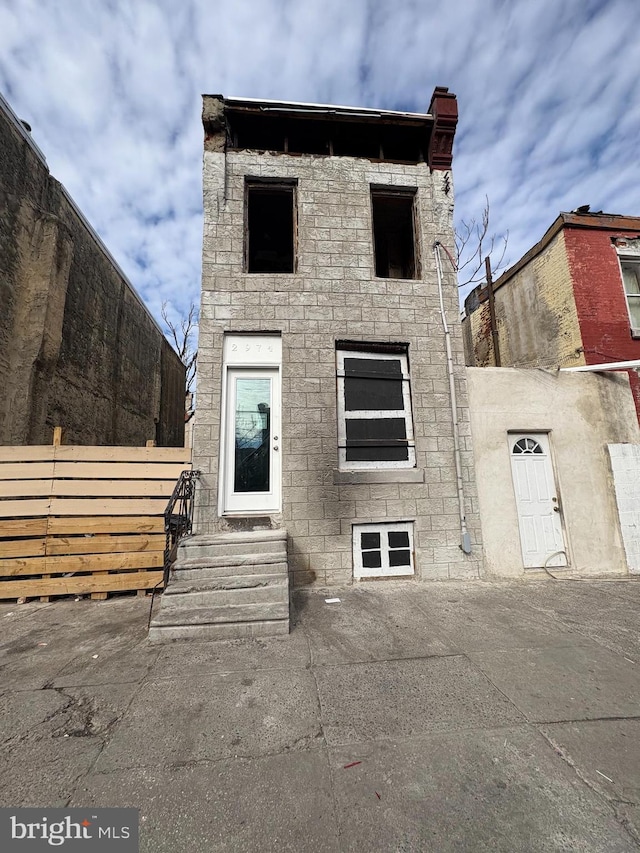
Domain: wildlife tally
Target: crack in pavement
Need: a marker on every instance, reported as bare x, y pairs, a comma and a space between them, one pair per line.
565, 756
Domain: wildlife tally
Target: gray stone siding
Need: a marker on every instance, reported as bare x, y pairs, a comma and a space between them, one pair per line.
334, 295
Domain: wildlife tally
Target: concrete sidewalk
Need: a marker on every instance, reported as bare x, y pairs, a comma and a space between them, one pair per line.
440, 717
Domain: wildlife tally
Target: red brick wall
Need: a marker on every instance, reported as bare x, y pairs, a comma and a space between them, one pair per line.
600, 299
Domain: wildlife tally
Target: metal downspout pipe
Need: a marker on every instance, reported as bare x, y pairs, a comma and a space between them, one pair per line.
465, 543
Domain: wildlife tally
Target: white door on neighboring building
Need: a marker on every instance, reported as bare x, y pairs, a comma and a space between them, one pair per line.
251, 448
539, 514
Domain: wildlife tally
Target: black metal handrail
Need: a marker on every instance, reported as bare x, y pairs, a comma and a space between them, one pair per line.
178, 516
176, 524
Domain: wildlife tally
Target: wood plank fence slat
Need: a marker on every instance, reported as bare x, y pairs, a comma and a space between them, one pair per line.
120, 470
23, 509
77, 453
66, 564
27, 454
12, 528
106, 524
22, 547
25, 488
80, 585
86, 488
26, 470
113, 488
104, 506
99, 544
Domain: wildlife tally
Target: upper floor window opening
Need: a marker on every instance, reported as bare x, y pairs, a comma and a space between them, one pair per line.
394, 232
270, 226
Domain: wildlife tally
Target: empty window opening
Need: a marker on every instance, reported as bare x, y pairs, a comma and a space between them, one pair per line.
383, 549
394, 233
270, 228
631, 276
375, 428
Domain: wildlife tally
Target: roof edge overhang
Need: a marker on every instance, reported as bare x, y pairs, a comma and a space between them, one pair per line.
439, 122
312, 110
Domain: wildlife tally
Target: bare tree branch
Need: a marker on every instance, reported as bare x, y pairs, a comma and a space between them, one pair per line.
474, 244
182, 337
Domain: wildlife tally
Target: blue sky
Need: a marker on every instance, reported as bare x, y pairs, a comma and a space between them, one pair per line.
548, 90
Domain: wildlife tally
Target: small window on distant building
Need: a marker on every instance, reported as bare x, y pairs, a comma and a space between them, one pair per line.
375, 427
383, 549
394, 241
631, 276
271, 227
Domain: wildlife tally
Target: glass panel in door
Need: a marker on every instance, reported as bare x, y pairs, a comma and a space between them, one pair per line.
251, 448
252, 432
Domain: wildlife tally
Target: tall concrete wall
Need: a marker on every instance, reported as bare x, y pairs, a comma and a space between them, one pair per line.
582, 414
77, 347
334, 294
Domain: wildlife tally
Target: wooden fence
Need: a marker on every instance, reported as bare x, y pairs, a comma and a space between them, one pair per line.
84, 520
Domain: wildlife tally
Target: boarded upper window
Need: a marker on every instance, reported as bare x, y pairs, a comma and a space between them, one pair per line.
270, 228
394, 241
375, 428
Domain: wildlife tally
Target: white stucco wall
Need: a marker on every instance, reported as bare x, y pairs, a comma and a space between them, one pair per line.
625, 465
582, 414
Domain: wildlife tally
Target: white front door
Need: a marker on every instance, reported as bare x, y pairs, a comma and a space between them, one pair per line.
539, 515
251, 450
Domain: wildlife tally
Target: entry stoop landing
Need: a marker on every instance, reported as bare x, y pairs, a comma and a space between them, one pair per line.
226, 587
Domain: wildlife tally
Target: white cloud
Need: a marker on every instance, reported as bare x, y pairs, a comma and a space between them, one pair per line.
548, 93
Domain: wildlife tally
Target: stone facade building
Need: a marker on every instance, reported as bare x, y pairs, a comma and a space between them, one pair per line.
78, 348
324, 391
573, 299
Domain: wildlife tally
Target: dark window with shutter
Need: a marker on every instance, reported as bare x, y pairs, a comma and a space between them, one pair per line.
375, 410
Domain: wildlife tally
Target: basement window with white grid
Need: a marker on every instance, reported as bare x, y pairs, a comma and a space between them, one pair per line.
375, 427
381, 550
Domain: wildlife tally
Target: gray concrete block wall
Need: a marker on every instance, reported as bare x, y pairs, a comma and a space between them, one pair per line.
625, 465
334, 295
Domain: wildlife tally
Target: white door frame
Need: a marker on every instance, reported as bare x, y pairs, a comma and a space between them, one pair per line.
540, 524
250, 357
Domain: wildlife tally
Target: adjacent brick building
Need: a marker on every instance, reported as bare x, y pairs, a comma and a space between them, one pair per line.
324, 408
573, 299
78, 348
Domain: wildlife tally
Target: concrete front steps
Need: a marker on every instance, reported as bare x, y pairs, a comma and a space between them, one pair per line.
226, 586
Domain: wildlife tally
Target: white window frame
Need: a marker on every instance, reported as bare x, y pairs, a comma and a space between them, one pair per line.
374, 414
385, 570
632, 264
